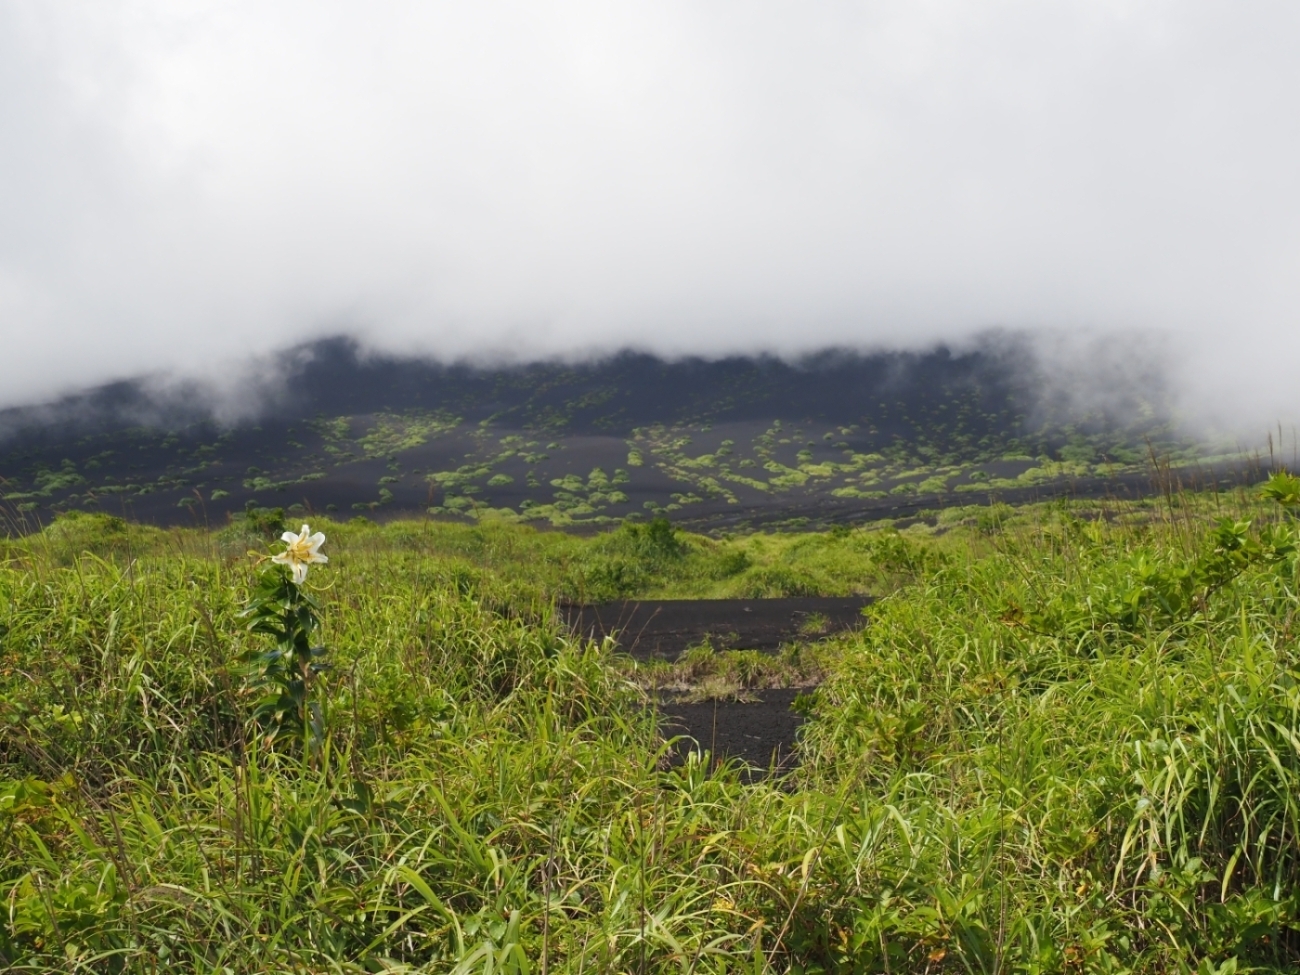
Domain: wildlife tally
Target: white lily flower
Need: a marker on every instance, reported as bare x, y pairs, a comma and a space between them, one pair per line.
303, 550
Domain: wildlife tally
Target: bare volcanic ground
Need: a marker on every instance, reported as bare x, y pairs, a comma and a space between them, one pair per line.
759, 731
663, 629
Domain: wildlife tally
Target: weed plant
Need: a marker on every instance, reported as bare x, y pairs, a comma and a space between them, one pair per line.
1069, 740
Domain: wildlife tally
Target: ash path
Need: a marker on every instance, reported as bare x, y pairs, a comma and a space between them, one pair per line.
761, 733
662, 629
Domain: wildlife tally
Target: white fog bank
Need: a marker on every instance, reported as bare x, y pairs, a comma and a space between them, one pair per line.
185, 187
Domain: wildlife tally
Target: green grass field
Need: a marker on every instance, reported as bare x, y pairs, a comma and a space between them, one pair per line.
1068, 741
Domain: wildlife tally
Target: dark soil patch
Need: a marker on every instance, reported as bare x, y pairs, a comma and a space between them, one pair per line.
760, 733
663, 629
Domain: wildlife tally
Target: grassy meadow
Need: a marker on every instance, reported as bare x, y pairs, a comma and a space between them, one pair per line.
1067, 741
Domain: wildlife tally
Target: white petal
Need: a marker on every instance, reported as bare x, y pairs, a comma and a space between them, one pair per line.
299, 572
317, 557
288, 538
317, 540
305, 532
282, 558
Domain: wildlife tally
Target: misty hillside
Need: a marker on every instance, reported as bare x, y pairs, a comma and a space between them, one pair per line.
724, 443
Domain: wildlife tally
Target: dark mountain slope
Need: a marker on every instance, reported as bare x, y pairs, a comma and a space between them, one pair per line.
732, 441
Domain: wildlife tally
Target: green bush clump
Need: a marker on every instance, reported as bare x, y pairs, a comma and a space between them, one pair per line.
775, 581
75, 533
627, 561
265, 523
730, 562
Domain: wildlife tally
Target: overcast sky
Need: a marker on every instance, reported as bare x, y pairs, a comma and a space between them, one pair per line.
184, 185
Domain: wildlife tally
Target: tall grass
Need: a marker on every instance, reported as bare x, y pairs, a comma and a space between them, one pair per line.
1069, 740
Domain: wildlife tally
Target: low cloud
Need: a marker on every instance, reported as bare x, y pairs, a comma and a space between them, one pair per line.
187, 188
